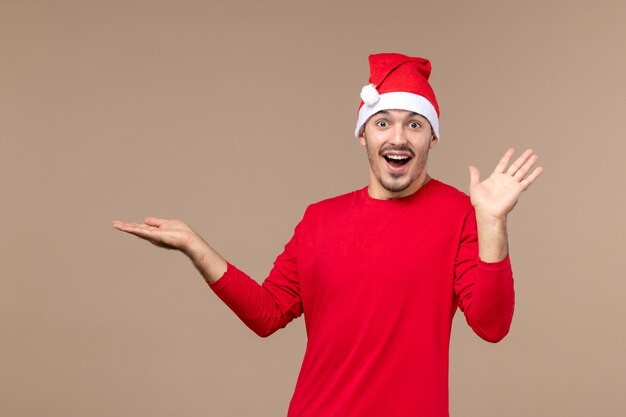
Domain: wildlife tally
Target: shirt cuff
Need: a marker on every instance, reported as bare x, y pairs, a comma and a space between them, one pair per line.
224, 279
495, 266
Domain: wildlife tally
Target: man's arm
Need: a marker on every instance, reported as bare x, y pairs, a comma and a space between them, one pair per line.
485, 288
264, 308
494, 198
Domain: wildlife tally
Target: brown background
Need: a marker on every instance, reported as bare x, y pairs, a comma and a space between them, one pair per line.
236, 115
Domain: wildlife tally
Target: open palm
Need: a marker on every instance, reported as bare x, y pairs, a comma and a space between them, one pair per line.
497, 195
165, 233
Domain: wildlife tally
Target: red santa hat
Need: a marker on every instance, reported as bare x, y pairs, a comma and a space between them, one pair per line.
398, 82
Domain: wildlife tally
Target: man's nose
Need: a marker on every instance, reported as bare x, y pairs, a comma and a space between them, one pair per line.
398, 135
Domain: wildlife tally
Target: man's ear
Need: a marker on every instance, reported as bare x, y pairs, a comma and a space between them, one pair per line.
434, 140
362, 140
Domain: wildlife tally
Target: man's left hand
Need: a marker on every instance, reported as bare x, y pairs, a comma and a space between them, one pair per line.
496, 196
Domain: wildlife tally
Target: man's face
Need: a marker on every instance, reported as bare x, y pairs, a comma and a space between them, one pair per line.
397, 143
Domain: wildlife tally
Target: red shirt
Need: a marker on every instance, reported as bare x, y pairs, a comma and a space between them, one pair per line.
379, 282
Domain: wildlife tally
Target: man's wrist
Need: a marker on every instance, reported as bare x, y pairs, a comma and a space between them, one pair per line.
197, 249
491, 224
208, 262
488, 218
493, 243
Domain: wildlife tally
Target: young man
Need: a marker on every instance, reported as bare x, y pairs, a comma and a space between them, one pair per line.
380, 272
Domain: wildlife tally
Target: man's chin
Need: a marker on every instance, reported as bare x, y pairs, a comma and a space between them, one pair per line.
396, 186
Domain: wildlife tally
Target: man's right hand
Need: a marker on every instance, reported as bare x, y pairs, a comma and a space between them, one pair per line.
165, 233
175, 234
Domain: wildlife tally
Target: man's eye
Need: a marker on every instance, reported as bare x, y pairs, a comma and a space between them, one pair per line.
414, 125
382, 123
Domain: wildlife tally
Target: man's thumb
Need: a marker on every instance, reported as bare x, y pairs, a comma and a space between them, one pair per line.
474, 174
154, 221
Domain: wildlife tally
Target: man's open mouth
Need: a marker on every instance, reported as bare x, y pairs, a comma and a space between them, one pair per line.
397, 161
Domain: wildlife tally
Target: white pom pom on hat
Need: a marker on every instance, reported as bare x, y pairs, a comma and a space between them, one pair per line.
398, 82
369, 94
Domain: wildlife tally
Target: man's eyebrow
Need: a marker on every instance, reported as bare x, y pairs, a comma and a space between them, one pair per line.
386, 113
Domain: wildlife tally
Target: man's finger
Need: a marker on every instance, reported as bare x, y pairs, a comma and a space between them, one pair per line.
474, 174
519, 162
145, 233
120, 225
131, 227
504, 161
526, 182
524, 169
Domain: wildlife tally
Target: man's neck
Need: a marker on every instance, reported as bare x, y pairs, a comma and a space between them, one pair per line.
379, 192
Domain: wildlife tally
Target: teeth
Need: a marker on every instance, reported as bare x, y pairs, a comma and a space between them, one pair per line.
398, 157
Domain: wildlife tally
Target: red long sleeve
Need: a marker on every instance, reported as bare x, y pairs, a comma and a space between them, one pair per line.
485, 290
263, 308
379, 282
